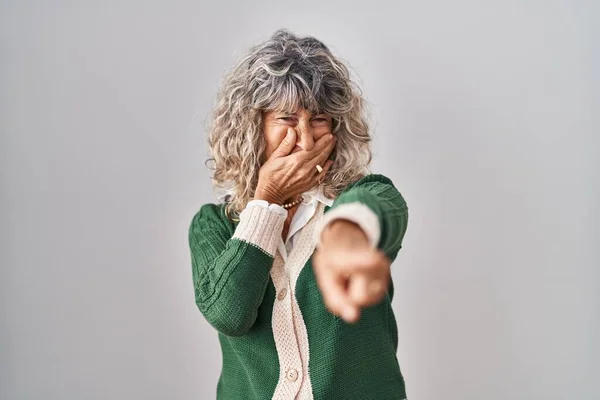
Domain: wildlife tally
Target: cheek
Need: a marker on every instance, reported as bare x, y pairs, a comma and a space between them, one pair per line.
322, 131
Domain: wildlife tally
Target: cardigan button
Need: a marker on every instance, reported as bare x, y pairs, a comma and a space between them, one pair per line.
282, 294
292, 375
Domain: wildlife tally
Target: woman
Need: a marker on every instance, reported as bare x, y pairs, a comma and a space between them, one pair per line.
293, 268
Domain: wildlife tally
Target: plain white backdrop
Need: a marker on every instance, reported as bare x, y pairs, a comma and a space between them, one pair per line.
485, 114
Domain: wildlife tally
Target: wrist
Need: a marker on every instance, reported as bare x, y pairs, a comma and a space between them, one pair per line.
344, 233
268, 196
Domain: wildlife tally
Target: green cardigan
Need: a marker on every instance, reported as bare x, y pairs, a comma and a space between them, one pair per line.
235, 292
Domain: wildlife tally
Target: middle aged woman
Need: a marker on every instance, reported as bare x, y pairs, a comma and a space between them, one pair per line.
293, 268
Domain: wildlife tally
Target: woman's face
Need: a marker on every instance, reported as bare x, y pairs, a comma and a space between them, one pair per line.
309, 128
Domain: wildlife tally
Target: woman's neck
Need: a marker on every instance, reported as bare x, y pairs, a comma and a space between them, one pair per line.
288, 221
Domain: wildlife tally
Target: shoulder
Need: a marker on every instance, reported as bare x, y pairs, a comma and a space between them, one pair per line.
211, 216
376, 184
373, 179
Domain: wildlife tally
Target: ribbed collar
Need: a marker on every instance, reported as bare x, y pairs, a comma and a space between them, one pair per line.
317, 194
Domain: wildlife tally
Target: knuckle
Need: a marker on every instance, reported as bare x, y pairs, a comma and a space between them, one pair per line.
360, 296
295, 162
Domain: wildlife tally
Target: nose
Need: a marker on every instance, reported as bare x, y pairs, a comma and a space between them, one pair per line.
305, 136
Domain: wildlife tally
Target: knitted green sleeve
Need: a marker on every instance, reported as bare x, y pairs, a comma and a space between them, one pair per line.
231, 265
375, 203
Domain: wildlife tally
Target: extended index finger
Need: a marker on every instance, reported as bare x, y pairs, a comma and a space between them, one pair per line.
335, 295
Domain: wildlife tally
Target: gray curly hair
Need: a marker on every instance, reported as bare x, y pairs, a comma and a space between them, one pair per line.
284, 73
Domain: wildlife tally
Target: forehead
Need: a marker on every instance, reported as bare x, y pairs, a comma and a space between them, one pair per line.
293, 103
297, 111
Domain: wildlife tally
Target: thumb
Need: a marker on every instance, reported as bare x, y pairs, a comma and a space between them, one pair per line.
287, 144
